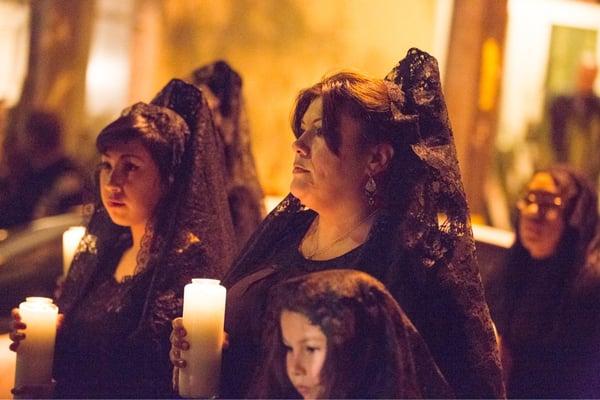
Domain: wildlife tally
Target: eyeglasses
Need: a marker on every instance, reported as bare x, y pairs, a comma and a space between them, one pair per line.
544, 204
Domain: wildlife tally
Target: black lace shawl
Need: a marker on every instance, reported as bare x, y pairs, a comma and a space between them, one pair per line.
355, 312
191, 236
548, 311
244, 192
421, 245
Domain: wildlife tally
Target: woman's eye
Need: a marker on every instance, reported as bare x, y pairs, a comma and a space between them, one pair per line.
130, 167
311, 349
104, 166
288, 349
318, 131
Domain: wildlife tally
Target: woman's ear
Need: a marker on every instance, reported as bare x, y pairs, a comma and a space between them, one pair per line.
380, 158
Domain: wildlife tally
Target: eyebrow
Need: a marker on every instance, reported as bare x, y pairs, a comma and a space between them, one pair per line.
307, 339
126, 155
302, 123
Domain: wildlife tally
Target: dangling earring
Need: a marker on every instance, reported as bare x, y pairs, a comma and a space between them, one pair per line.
371, 190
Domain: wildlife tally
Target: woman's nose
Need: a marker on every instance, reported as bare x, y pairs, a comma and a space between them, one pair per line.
115, 181
297, 365
532, 211
300, 147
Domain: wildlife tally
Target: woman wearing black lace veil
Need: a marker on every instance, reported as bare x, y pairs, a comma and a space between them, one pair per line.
126, 282
376, 165
222, 86
545, 300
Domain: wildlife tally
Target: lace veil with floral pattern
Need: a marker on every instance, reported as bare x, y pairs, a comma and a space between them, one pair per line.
244, 192
421, 245
192, 235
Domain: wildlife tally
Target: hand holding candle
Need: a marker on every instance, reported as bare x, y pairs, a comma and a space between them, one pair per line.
204, 320
35, 353
71, 239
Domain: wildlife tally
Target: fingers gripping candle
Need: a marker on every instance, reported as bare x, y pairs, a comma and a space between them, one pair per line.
36, 352
204, 322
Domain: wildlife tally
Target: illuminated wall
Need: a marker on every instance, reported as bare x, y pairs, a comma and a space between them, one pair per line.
280, 47
14, 47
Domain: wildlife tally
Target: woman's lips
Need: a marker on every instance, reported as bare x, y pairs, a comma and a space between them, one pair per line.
299, 170
303, 390
114, 203
532, 229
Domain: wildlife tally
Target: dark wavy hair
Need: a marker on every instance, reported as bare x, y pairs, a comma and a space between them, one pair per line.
366, 355
161, 131
369, 101
376, 105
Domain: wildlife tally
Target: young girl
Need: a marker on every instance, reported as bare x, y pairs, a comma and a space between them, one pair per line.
340, 334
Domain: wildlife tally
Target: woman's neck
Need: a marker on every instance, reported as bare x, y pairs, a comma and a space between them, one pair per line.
336, 221
337, 231
127, 265
137, 233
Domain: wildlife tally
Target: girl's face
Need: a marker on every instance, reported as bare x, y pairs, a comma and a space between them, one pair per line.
130, 184
306, 347
320, 177
541, 222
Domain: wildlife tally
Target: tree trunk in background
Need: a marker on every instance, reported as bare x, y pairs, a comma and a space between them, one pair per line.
473, 73
61, 32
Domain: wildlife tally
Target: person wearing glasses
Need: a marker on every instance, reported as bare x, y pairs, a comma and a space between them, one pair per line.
545, 301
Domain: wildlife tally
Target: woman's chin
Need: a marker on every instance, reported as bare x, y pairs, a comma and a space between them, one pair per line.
120, 222
119, 219
299, 191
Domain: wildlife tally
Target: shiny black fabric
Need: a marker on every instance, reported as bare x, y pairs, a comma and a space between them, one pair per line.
548, 311
191, 236
420, 246
244, 192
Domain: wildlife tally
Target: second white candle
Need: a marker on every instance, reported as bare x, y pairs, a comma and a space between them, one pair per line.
204, 321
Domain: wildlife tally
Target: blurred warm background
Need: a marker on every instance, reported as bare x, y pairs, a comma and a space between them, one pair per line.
502, 64
500, 59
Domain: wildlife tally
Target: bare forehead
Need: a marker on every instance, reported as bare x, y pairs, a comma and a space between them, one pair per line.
314, 112
543, 182
130, 148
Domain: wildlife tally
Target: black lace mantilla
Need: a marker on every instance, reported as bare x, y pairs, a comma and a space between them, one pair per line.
191, 236
244, 192
421, 245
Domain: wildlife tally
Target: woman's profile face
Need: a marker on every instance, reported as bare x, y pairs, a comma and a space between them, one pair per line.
306, 349
130, 183
320, 177
541, 222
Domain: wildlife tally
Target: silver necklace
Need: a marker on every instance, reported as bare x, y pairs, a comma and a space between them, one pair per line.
338, 239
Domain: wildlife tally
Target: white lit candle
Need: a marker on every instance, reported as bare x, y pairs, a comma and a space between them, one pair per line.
35, 353
71, 239
204, 322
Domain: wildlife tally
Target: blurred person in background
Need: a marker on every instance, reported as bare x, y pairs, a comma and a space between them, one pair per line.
546, 300
222, 87
40, 179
